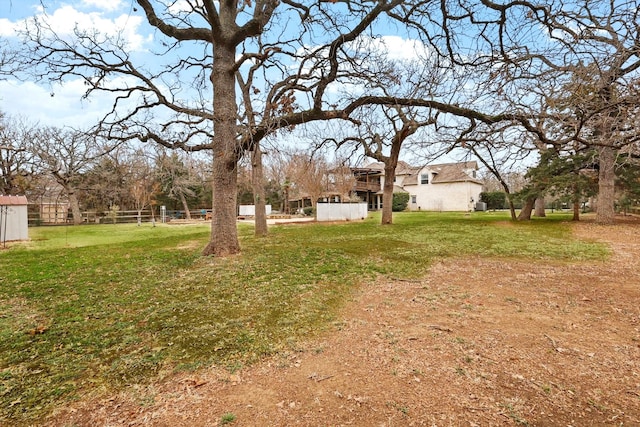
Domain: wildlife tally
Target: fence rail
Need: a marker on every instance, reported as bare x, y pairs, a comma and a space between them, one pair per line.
112, 217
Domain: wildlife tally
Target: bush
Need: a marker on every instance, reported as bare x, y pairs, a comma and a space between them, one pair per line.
400, 202
494, 199
308, 211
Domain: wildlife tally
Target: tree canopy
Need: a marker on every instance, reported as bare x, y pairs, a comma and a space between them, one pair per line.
228, 74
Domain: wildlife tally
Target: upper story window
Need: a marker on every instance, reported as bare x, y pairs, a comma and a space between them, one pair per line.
424, 178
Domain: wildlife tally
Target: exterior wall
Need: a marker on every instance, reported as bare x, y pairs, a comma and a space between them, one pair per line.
454, 189
401, 180
454, 196
250, 210
341, 211
13, 223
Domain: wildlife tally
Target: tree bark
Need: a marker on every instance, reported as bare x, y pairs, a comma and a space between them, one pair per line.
525, 213
390, 164
387, 192
224, 232
258, 192
75, 207
576, 210
539, 208
185, 206
605, 210
512, 208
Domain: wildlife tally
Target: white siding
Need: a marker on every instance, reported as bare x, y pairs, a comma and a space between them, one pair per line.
13, 223
250, 210
454, 196
341, 211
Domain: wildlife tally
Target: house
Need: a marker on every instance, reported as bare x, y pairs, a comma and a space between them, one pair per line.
441, 187
13, 218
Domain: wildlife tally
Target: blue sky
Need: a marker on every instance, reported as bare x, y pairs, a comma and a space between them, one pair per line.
63, 104
65, 107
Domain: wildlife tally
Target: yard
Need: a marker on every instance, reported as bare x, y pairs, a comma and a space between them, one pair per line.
440, 319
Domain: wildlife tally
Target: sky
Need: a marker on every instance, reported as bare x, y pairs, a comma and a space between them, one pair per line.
63, 105
60, 105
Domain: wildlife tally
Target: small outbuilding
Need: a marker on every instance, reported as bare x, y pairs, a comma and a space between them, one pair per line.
13, 219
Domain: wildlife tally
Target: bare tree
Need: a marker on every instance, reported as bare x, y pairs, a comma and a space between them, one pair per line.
277, 171
106, 181
176, 177
65, 154
398, 124
581, 82
9, 59
259, 201
15, 134
341, 179
532, 55
207, 44
310, 176
144, 184
218, 52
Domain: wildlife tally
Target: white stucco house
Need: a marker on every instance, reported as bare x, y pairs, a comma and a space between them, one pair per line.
441, 187
13, 218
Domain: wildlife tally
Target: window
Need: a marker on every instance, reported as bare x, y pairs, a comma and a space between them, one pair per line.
424, 178
413, 199
473, 174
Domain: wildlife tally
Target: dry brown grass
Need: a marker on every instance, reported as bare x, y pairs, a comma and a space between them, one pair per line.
477, 342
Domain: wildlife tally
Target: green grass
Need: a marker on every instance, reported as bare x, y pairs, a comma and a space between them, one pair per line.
100, 307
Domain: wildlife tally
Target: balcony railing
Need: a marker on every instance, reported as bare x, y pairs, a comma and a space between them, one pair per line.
367, 186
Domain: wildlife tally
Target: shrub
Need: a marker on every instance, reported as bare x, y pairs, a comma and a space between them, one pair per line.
308, 211
494, 199
400, 202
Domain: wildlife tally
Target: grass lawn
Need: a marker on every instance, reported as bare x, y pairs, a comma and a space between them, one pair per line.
99, 307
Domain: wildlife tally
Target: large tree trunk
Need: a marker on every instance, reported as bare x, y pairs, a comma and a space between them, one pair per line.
185, 206
387, 194
539, 208
605, 209
75, 207
512, 208
527, 208
258, 192
224, 232
576, 210
285, 204
390, 164
576, 204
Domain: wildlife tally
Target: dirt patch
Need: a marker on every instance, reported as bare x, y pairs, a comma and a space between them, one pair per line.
478, 342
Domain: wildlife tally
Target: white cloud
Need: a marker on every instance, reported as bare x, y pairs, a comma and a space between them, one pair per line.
399, 49
181, 6
7, 28
64, 20
57, 106
110, 5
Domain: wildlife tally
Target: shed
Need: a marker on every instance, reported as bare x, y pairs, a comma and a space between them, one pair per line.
13, 218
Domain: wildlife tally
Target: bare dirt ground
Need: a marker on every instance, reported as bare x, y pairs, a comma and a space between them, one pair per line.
478, 342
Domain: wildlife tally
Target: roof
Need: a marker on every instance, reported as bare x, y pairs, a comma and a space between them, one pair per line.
453, 172
401, 168
445, 172
13, 200
442, 173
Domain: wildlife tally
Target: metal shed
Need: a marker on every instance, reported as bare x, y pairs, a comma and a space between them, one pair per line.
13, 218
